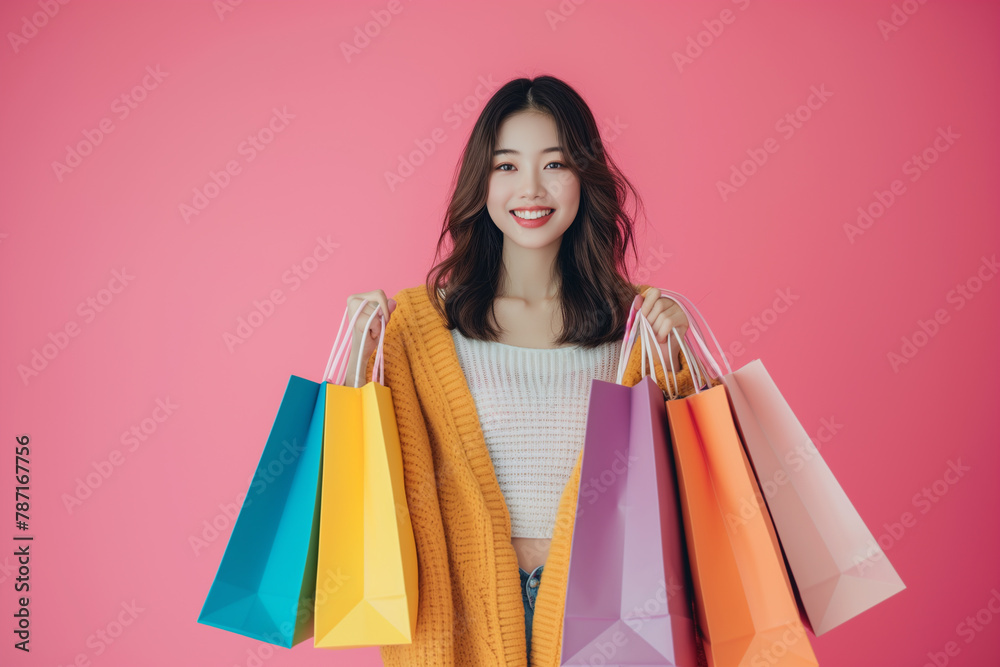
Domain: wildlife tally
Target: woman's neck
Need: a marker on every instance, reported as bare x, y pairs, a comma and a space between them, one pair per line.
529, 274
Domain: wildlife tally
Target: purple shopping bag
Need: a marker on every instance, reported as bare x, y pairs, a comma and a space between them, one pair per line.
628, 595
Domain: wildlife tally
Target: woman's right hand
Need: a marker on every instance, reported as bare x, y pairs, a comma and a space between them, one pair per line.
363, 343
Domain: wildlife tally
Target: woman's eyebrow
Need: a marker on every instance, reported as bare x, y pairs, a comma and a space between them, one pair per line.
505, 151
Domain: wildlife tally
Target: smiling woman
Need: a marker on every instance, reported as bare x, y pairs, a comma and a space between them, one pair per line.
528, 308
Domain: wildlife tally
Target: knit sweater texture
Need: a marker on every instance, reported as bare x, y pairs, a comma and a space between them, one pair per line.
470, 612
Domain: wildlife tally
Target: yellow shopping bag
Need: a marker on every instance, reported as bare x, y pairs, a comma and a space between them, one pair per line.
366, 571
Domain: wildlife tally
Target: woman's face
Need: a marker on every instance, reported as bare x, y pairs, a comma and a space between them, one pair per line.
530, 177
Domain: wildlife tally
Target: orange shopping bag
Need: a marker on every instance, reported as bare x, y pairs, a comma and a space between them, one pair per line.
744, 601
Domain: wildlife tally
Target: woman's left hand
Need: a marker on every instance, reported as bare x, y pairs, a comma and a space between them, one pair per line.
663, 314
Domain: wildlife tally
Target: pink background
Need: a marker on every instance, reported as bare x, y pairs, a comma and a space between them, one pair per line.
676, 132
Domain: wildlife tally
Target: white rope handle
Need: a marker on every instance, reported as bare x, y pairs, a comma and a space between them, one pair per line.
627, 343
636, 324
336, 367
632, 327
698, 332
649, 342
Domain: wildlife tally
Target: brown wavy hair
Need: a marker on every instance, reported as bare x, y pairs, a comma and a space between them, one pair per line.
595, 290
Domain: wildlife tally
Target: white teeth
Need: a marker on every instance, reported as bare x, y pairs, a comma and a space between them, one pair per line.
533, 215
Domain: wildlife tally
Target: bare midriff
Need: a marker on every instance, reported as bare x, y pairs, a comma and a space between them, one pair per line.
531, 551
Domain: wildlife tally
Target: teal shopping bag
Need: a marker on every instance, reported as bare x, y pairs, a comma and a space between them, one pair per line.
266, 581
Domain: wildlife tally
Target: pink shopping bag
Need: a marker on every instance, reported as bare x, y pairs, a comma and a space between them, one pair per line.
838, 568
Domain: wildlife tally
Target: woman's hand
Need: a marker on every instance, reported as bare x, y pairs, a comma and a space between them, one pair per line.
364, 341
663, 315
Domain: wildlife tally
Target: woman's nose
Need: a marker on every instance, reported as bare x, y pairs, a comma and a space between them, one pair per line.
532, 184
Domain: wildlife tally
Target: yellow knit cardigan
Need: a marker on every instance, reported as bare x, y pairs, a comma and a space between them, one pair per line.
470, 612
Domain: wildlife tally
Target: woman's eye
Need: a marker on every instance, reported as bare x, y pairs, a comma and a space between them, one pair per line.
507, 164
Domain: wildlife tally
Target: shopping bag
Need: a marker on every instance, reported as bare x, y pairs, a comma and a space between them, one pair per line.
836, 564
264, 584
628, 595
746, 608
366, 579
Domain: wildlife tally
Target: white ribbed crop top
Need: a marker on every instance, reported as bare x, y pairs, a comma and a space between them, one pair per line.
532, 407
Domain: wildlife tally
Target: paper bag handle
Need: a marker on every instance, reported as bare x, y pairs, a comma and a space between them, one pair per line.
697, 330
648, 342
336, 367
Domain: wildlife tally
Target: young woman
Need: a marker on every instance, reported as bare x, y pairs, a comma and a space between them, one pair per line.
490, 364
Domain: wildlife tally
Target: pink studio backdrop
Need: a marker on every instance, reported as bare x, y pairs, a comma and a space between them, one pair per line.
881, 331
